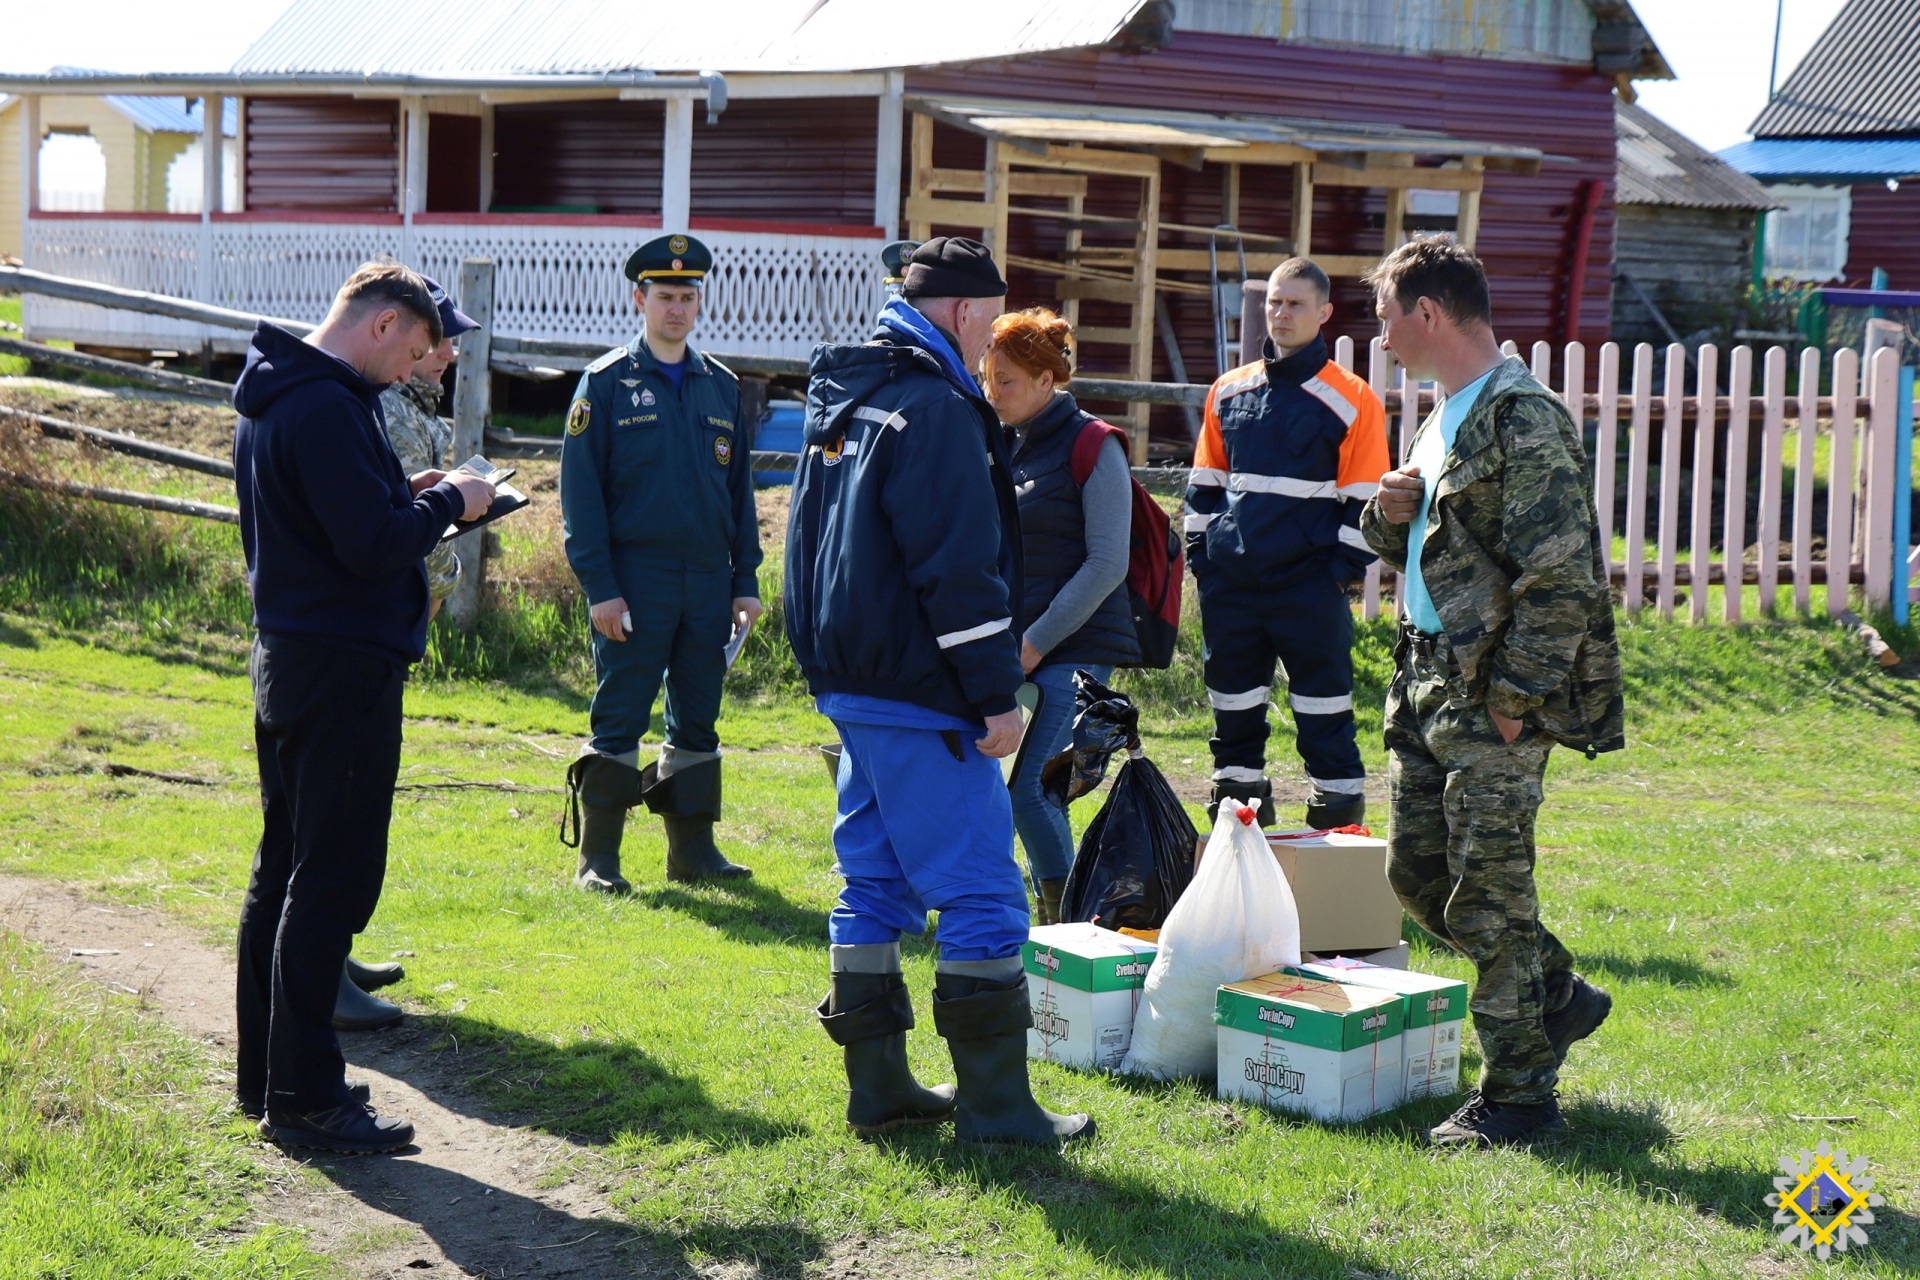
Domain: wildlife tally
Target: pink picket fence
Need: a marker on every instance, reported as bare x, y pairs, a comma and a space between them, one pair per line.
1712, 497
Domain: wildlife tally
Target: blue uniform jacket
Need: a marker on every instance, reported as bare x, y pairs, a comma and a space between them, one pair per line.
335, 540
903, 545
668, 472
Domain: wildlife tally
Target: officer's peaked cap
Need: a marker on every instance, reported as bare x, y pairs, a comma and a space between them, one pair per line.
678, 257
953, 267
894, 258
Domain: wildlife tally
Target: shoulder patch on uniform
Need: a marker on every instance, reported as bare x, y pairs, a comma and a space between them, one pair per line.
1246, 378
607, 360
722, 450
578, 416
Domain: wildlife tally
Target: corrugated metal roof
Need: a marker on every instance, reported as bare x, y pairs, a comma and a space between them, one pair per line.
1826, 160
1660, 165
1125, 126
489, 37
1861, 77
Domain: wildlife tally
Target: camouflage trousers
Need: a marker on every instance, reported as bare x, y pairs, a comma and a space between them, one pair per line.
1460, 856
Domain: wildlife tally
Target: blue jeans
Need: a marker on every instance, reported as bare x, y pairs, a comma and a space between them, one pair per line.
1043, 827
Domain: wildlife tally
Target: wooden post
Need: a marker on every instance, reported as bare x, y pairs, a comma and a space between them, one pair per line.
472, 406
29, 170
1230, 196
1636, 552
1876, 535
1673, 419
240, 154
1733, 539
1466, 223
886, 157
1606, 447
413, 171
998, 194
1396, 220
1767, 532
1146, 285
212, 107
1302, 210
1846, 382
1803, 480
676, 166
919, 164
486, 157
1707, 388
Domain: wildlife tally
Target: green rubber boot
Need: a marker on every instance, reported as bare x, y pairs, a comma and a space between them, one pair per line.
601, 790
985, 1024
868, 1015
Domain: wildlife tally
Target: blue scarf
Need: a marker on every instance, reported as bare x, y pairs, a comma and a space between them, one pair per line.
900, 316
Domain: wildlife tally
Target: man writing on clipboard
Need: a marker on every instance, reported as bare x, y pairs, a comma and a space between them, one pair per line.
656, 489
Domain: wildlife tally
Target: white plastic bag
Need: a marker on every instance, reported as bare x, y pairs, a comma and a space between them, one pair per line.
1236, 920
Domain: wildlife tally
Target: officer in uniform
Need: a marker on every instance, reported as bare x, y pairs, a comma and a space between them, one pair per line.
656, 491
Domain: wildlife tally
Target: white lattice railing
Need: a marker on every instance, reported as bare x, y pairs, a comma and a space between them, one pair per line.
771, 293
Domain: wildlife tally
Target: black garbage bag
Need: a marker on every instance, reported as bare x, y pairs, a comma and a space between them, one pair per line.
1136, 857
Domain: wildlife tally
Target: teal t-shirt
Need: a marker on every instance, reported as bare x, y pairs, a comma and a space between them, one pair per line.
1430, 454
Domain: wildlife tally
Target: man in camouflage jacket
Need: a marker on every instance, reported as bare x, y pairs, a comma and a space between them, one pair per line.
420, 439
1506, 648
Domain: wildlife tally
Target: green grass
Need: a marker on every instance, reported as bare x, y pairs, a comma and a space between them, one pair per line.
117, 1158
1742, 878
11, 366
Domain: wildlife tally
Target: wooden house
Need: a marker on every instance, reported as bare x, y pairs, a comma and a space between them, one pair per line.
1683, 250
1119, 154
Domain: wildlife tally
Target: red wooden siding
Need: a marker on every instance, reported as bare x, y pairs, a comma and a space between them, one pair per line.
453, 163
1525, 223
1885, 233
593, 156
788, 160
322, 153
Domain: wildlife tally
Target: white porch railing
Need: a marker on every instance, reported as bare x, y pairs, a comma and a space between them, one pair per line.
772, 292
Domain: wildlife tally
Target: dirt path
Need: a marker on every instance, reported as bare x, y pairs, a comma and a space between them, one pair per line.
474, 1198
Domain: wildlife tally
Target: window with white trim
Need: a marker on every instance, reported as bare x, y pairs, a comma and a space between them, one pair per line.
1807, 238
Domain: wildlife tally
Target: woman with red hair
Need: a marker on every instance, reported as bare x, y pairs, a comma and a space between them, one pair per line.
1074, 532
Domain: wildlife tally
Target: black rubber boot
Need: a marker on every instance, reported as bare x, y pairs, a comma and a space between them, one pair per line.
688, 801
1050, 893
985, 1025
868, 1015
1258, 794
355, 1010
372, 977
692, 855
602, 789
1336, 811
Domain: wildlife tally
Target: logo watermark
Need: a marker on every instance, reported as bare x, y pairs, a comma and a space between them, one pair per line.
1824, 1200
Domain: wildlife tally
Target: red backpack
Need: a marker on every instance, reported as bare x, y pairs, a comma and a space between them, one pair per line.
1156, 561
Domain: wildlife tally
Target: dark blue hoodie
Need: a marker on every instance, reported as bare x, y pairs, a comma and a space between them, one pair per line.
335, 543
903, 546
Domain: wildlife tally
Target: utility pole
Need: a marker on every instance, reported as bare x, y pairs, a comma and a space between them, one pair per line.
1773, 70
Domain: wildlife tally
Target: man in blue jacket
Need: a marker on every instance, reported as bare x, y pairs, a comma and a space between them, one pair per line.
903, 574
336, 537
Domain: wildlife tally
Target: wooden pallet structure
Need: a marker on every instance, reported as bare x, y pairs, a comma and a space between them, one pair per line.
1049, 151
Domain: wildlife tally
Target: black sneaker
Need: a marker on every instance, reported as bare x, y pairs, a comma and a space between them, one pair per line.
358, 1093
1579, 1018
353, 1130
1481, 1122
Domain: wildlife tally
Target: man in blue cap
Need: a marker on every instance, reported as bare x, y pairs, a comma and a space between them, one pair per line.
656, 489
903, 585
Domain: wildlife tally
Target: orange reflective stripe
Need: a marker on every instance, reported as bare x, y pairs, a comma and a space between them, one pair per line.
1363, 454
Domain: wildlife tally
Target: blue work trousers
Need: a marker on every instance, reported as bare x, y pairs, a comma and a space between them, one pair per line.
919, 831
682, 619
1307, 627
1044, 830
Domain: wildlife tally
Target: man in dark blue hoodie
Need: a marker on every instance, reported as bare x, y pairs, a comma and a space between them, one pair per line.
336, 537
903, 576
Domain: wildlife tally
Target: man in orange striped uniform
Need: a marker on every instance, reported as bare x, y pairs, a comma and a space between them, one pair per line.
1292, 448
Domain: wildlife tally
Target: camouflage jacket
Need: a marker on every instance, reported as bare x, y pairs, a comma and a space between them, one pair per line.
1514, 565
420, 439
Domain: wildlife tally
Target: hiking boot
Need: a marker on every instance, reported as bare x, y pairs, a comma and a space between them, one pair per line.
355, 1010
1259, 795
600, 791
372, 977
358, 1094
868, 1015
985, 1024
1050, 894
353, 1129
1578, 1018
1329, 812
1482, 1122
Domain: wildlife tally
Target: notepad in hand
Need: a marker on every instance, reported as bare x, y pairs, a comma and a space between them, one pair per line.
506, 498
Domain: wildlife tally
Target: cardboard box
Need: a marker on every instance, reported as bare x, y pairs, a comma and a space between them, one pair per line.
1435, 1015
1084, 984
1300, 1043
1387, 958
1340, 885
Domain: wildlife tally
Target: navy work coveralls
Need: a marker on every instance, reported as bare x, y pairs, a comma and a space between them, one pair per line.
1291, 450
656, 489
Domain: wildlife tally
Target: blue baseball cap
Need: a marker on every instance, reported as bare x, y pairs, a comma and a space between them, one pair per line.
453, 321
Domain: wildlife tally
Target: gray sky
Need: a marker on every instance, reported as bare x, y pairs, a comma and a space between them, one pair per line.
1719, 48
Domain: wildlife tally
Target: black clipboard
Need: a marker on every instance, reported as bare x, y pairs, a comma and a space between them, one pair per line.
506, 498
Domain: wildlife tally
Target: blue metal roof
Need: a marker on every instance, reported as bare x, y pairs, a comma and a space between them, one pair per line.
162, 115
1826, 159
